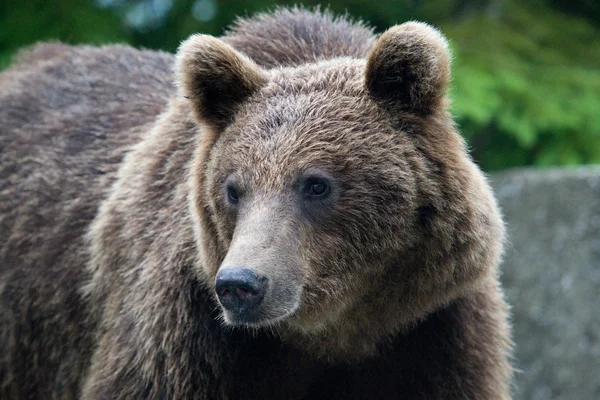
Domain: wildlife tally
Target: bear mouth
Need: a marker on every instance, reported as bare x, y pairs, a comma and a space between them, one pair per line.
241, 317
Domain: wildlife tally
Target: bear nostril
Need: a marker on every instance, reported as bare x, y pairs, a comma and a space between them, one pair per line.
240, 289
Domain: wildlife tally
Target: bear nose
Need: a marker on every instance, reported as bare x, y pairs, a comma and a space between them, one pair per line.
240, 289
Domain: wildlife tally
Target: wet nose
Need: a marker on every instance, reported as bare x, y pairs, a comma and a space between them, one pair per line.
240, 289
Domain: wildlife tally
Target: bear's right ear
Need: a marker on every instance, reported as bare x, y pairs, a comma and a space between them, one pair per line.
215, 78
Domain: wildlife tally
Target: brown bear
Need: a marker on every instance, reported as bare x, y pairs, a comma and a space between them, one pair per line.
293, 215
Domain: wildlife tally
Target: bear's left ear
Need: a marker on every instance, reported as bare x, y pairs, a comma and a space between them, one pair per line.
409, 67
216, 78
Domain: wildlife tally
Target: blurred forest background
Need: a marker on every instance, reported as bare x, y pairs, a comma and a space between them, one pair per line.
526, 88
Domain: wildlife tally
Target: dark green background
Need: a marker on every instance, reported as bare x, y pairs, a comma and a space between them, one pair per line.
526, 88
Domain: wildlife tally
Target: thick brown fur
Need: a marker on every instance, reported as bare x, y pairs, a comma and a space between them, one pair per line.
290, 37
115, 221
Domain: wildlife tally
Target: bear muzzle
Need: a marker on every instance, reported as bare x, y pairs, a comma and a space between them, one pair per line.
251, 298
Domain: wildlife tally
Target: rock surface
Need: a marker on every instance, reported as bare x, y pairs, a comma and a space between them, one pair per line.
551, 275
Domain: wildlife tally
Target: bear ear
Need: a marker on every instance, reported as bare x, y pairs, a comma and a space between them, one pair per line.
215, 78
409, 67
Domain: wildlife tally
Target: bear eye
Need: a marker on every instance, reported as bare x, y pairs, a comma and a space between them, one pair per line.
232, 195
316, 188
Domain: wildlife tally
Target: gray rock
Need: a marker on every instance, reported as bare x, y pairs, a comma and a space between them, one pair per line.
551, 275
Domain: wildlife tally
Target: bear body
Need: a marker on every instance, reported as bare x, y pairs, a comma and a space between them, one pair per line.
293, 216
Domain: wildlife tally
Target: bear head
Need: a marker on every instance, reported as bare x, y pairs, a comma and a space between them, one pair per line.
335, 201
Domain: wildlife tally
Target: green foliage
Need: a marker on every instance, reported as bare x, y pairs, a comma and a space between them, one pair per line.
526, 88
72, 21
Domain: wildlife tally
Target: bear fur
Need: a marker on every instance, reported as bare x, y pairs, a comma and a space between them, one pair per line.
117, 214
